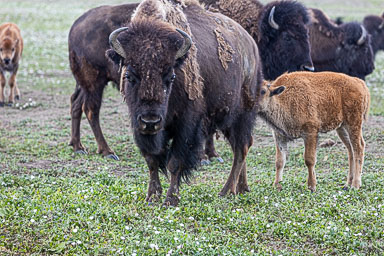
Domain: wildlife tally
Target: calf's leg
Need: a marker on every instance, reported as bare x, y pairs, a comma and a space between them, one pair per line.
310, 142
358, 146
2, 83
14, 92
343, 135
281, 158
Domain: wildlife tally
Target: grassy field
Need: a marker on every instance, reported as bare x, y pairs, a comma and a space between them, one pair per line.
55, 202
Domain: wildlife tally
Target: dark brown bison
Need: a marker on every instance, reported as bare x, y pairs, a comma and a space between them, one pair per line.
280, 30
375, 27
344, 49
11, 49
87, 43
186, 72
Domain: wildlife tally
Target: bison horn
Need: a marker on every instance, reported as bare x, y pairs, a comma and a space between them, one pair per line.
363, 35
381, 25
115, 44
186, 45
271, 20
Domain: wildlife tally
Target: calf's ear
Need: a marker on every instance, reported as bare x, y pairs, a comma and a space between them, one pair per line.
277, 91
113, 56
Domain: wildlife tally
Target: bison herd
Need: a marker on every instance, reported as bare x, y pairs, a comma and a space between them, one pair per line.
187, 69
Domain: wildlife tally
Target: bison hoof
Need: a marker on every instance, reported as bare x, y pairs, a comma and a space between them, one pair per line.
17, 97
1, 104
243, 189
10, 104
205, 162
113, 157
278, 186
220, 160
81, 152
171, 201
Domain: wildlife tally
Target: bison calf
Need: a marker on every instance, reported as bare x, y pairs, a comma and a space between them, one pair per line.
302, 104
11, 47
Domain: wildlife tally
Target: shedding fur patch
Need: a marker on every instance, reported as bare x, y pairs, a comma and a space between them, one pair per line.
172, 12
225, 51
122, 91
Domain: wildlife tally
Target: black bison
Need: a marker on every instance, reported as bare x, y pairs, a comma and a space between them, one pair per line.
375, 26
344, 49
186, 72
280, 30
87, 43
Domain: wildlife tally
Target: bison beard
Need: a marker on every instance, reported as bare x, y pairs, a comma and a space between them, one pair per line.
169, 127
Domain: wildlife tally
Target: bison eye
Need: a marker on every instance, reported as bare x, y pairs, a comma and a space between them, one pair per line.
131, 79
13, 49
173, 78
263, 91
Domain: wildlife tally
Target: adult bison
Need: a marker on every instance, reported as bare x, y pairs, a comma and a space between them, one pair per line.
280, 30
375, 27
374, 24
187, 72
87, 43
344, 49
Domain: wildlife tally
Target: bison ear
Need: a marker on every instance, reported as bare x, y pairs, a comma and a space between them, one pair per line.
277, 91
113, 56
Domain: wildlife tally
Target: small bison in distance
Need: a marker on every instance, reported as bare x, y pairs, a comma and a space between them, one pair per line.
344, 49
304, 104
186, 72
11, 48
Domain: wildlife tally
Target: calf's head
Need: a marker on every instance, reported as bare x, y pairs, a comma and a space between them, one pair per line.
268, 91
284, 40
8, 47
149, 51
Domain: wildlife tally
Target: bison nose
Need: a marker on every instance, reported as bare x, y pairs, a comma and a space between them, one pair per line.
7, 60
149, 123
307, 68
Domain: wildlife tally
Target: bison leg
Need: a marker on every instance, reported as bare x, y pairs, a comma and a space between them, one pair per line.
76, 112
14, 90
310, 143
172, 198
2, 83
154, 187
210, 150
91, 107
358, 146
343, 135
242, 185
281, 158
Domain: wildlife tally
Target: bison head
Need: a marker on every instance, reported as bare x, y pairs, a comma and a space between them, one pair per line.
354, 55
8, 48
284, 39
375, 27
149, 52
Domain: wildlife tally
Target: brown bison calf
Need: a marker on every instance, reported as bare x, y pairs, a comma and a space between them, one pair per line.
302, 104
11, 47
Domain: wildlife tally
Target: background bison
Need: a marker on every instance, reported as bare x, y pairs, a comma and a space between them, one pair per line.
11, 48
345, 48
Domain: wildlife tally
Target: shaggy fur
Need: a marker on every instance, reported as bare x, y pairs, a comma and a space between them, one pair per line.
225, 51
169, 128
11, 49
335, 48
303, 104
285, 49
375, 27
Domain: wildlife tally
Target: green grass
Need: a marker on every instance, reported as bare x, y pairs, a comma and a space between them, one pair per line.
53, 202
